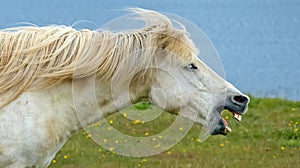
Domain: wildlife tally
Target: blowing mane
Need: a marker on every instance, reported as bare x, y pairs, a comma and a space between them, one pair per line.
39, 57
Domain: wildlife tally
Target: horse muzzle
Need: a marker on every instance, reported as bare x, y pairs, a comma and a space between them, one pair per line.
238, 106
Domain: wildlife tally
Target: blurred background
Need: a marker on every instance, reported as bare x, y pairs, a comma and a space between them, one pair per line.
258, 41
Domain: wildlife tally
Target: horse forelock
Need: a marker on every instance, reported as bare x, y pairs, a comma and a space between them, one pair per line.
39, 57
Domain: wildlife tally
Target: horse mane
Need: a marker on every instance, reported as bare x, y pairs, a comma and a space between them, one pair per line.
40, 57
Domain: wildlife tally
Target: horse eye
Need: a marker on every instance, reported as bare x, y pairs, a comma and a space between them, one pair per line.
191, 66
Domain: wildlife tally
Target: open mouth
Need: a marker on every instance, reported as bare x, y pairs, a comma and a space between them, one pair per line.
222, 126
237, 105
236, 115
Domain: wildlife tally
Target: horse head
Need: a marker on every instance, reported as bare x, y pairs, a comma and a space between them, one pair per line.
180, 82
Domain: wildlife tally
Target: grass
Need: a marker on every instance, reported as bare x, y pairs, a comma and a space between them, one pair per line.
269, 136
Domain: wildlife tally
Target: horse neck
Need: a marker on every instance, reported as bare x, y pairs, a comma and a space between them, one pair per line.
93, 100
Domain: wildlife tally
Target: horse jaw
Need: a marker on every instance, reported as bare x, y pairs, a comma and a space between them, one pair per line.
175, 96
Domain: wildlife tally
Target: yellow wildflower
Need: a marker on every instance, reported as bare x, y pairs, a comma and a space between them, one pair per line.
136, 121
157, 146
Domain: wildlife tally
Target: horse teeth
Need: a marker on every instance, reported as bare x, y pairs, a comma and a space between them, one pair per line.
237, 117
227, 129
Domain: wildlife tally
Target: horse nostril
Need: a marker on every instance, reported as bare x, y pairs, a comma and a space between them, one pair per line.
241, 99
237, 103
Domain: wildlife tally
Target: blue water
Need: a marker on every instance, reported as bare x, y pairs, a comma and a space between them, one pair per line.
258, 41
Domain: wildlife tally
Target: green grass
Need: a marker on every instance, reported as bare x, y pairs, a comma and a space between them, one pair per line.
268, 136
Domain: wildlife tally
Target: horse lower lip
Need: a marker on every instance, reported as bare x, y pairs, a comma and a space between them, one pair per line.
227, 128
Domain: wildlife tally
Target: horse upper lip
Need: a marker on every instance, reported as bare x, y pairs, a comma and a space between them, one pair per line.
236, 114
238, 111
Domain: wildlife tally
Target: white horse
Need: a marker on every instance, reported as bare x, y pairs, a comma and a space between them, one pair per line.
37, 65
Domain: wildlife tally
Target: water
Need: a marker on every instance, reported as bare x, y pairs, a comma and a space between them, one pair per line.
258, 41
